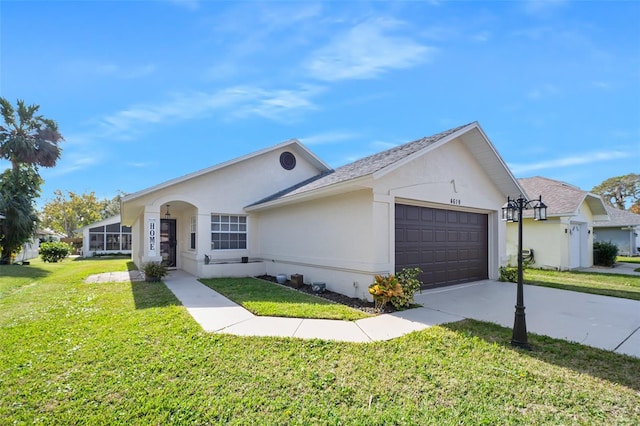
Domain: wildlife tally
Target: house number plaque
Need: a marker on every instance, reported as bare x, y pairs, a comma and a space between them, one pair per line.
456, 201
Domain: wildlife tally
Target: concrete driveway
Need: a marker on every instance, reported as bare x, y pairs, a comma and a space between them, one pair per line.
604, 322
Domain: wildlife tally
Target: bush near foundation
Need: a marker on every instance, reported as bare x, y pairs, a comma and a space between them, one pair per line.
604, 253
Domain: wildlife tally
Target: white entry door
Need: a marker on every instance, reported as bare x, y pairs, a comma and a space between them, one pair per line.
575, 245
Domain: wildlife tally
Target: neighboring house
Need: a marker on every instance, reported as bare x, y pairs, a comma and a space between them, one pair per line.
565, 240
434, 203
31, 249
107, 236
622, 229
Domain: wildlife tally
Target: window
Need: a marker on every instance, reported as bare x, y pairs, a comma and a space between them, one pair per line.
113, 237
228, 232
193, 228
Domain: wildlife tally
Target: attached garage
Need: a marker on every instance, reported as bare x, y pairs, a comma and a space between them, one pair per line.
450, 246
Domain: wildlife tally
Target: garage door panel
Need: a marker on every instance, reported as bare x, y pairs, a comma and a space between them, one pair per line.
449, 246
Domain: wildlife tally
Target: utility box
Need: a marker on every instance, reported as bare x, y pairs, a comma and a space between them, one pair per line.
297, 280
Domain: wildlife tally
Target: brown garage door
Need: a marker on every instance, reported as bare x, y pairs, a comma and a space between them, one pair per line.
449, 246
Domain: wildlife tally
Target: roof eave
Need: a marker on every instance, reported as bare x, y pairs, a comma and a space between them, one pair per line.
337, 188
309, 156
513, 188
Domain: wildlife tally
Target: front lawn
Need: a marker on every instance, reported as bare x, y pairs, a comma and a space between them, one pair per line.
625, 286
130, 354
268, 299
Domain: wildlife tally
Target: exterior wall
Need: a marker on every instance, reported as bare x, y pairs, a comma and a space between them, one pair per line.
547, 239
329, 240
625, 239
227, 191
346, 240
561, 243
447, 178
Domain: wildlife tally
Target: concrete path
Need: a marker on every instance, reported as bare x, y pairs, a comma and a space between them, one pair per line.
110, 277
618, 268
609, 323
218, 314
604, 322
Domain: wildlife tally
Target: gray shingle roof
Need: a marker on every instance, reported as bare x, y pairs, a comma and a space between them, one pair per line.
363, 167
618, 217
560, 198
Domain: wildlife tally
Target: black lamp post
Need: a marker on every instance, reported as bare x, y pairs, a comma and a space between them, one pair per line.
512, 212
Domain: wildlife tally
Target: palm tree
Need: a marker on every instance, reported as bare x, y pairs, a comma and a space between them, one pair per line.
28, 141
28, 138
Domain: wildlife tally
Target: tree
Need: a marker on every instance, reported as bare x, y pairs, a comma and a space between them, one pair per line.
28, 141
28, 138
68, 213
112, 207
18, 190
617, 191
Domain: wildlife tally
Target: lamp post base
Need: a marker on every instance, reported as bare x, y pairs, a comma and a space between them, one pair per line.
519, 337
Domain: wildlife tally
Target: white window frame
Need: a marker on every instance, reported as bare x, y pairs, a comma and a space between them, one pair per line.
228, 231
193, 233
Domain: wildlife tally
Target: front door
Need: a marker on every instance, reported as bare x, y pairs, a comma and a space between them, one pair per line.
168, 242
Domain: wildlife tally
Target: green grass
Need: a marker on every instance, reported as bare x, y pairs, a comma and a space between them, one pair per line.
130, 354
627, 259
616, 285
268, 299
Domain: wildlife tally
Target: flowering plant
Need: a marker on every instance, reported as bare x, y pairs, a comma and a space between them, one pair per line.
384, 289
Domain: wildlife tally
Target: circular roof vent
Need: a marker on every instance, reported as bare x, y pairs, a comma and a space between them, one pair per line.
287, 160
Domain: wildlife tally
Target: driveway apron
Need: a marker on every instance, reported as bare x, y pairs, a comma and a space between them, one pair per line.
600, 321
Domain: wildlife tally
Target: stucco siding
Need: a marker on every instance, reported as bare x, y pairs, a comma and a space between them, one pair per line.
625, 239
449, 178
329, 239
560, 243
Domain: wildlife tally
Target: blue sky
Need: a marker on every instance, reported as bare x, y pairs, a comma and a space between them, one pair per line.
149, 91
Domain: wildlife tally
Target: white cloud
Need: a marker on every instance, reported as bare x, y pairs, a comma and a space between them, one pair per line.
238, 102
277, 105
366, 51
328, 138
586, 158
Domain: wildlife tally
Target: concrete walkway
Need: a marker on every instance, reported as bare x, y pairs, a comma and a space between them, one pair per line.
604, 322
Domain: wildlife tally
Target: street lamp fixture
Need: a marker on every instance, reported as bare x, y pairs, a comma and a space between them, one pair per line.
512, 212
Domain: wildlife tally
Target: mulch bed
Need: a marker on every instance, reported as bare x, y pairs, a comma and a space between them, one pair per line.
352, 302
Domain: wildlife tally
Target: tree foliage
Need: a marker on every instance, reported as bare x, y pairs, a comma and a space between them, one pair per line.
28, 141
619, 190
18, 190
67, 213
27, 138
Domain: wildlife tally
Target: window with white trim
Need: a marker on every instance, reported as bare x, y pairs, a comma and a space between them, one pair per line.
228, 232
192, 232
112, 237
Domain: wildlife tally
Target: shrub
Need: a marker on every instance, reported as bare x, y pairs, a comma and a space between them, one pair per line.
508, 274
154, 271
604, 253
54, 251
408, 279
398, 289
384, 289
